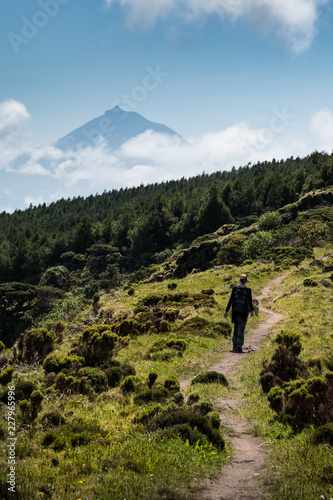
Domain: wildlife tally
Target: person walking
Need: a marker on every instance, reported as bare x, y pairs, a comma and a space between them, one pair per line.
241, 303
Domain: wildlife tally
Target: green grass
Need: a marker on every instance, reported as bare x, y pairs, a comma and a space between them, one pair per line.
122, 460
297, 469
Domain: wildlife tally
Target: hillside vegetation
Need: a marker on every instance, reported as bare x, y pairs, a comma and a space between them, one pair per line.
97, 337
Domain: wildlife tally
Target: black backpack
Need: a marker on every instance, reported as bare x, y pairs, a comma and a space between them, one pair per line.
241, 301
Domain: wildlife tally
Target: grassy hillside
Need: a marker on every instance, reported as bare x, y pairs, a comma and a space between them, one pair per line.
96, 376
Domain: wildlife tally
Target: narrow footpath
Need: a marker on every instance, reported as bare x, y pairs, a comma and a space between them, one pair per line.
239, 480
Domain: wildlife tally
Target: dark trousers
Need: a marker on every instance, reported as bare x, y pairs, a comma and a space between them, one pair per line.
239, 328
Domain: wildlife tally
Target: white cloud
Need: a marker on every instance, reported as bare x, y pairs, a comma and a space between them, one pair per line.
48, 174
322, 127
12, 115
291, 20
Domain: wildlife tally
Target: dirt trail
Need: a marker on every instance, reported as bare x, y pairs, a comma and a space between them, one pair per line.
239, 480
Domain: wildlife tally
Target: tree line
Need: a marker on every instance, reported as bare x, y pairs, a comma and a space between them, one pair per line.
136, 226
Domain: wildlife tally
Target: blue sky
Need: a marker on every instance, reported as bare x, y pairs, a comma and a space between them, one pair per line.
230, 72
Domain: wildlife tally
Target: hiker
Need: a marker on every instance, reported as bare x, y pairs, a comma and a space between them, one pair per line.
241, 303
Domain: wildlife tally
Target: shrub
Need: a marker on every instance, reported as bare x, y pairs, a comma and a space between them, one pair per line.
71, 435
152, 377
97, 344
58, 361
198, 423
275, 398
59, 328
96, 377
159, 395
285, 364
308, 402
324, 434
172, 384
3, 361
186, 433
267, 381
2, 346
128, 385
147, 414
23, 389
7, 375
232, 250
53, 418
193, 398
178, 344
34, 345
210, 377
290, 340
151, 300
69, 384
127, 369
269, 220
203, 408
201, 326
178, 398
128, 327
36, 399
114, 375
215, 420
56, 277
257, 244
310, 282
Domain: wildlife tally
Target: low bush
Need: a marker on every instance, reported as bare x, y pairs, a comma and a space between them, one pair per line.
178, 344
128, 385
285, 364
53, 418
203, 407
147, 414
3, 361
210, 377
158, 395
72, 435
98, 344
301, 403
97, 378
172, 384
275, 398
6, 375
170, 422
59, 361
310, 282
152, 377
193, 398
114, 375
201, 326
324, 434
24, 389
34, 345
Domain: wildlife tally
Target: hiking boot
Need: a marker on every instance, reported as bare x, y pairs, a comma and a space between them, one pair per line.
239, 348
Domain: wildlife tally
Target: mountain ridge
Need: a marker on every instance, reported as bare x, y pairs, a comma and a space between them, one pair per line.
116, 127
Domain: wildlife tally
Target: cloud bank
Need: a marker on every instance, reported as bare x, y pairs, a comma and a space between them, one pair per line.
36, 175
293, 21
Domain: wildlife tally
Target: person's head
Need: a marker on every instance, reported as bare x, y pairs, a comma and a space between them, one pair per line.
243, 279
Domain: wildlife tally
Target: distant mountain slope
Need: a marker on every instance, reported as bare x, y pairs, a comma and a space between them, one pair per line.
116, 126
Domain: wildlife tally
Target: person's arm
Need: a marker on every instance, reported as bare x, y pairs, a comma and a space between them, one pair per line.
250, 302
229, 303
